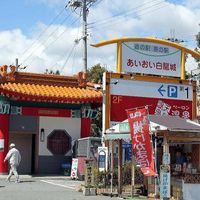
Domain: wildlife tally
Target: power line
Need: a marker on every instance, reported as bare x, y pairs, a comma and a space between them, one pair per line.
133, 10
98, 2
84, 6
145, 11
118, 20
44, 42
55, 39
40, 35
73, 60
61, 57
70, 53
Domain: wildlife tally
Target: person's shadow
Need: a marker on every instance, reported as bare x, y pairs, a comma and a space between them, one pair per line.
26, 181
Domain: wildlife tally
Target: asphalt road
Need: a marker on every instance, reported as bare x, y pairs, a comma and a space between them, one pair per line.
44, 188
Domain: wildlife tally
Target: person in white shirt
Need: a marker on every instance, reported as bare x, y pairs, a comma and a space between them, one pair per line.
14, 158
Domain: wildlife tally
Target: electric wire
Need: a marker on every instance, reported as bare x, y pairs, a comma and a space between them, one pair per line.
54, 39
44, 42
73, 60
121, 18
61, 57
70, 53
133, 10
42, 33
116, 22
97, 2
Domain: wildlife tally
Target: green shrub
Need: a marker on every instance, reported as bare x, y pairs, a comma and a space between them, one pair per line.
103, 179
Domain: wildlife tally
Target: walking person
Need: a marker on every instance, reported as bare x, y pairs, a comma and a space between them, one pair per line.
14, 158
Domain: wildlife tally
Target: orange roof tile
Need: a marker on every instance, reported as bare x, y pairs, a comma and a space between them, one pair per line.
46, 87
49, 93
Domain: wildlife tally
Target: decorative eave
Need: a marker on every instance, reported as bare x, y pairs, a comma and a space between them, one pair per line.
21, 86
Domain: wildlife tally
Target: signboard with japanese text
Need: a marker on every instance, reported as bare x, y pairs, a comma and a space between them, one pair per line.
166, 159
140, 137
74, 169
165, 181
89, 172
151, 58
162, 98
6, 108
103, 158
127, 147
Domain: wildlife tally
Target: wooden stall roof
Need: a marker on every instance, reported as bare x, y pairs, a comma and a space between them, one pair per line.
173, 127
47, 87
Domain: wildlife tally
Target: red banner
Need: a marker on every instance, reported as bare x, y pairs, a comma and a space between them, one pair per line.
141, 143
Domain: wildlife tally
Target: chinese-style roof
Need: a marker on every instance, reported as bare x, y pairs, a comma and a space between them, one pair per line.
46, 87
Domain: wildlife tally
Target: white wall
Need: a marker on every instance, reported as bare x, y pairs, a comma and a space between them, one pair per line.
71, 125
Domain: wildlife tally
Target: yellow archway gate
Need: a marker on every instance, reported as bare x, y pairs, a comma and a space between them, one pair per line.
120, 41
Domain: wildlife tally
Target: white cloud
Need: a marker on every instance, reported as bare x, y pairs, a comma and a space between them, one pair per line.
193, 4
12, 43
191, 64
143, 20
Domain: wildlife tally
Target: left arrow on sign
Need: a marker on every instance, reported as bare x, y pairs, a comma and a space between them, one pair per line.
161, 90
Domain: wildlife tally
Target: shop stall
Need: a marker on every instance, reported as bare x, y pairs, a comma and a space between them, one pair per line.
180, 139
177, 154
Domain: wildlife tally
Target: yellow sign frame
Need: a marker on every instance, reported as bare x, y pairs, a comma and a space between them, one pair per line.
119, 42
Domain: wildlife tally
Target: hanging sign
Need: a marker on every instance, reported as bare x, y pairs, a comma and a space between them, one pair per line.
141, 144
165, 181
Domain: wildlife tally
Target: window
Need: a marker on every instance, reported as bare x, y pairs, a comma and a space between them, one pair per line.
59, 142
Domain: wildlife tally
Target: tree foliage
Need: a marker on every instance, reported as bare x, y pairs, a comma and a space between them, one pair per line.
198, 47
57, 72
95, 74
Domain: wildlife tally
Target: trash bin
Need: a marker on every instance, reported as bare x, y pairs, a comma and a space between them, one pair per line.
66, 167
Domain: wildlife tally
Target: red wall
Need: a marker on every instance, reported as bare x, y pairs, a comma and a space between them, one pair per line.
4, 129
85, 127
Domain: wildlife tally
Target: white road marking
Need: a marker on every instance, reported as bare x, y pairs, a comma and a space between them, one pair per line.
57, 184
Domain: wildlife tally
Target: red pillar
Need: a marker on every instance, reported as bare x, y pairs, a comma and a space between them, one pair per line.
4, 134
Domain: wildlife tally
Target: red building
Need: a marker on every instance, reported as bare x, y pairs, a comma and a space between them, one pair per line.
43, 114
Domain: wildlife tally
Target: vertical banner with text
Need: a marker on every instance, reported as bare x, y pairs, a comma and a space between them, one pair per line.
141, 143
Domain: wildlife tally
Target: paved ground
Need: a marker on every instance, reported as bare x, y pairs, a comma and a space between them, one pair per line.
43, 187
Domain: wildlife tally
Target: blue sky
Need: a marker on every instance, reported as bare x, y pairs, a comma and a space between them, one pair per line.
27, 31
25, 14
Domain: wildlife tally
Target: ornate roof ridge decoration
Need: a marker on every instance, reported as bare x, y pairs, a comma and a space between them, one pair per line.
7, 73
35, 87
10, 74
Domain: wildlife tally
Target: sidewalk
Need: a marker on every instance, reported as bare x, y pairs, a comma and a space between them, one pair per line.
38, 176
138, 198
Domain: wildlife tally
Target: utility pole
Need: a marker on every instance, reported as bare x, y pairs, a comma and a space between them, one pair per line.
85, 35
16, 64
84, 9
